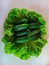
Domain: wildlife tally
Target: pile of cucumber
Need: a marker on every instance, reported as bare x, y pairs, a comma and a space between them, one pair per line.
22, 34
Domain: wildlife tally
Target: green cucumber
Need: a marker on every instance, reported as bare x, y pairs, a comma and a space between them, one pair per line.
21, 21
22, 33
33, 25
22, 40
34, 32
20, 27
34, 37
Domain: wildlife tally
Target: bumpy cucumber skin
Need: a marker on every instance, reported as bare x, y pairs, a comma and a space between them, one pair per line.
20, 27
22, 40
34, 26
22, 33
24, 20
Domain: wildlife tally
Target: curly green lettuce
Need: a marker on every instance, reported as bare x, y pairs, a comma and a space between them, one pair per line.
24, 33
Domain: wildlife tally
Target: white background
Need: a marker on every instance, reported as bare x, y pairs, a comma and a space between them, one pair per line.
41, 6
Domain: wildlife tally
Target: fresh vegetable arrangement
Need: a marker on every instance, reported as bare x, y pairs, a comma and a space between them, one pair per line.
24, 33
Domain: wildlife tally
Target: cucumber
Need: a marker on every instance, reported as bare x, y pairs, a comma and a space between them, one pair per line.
32, 20
22, 40
22, 33
33, 25
21, 21
34, 32
34, 37
20, 27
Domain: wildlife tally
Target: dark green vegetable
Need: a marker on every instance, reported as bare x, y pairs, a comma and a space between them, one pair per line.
35, 37
20, 27
34, 32
22, 21
22, 40
34, 26
24, 33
